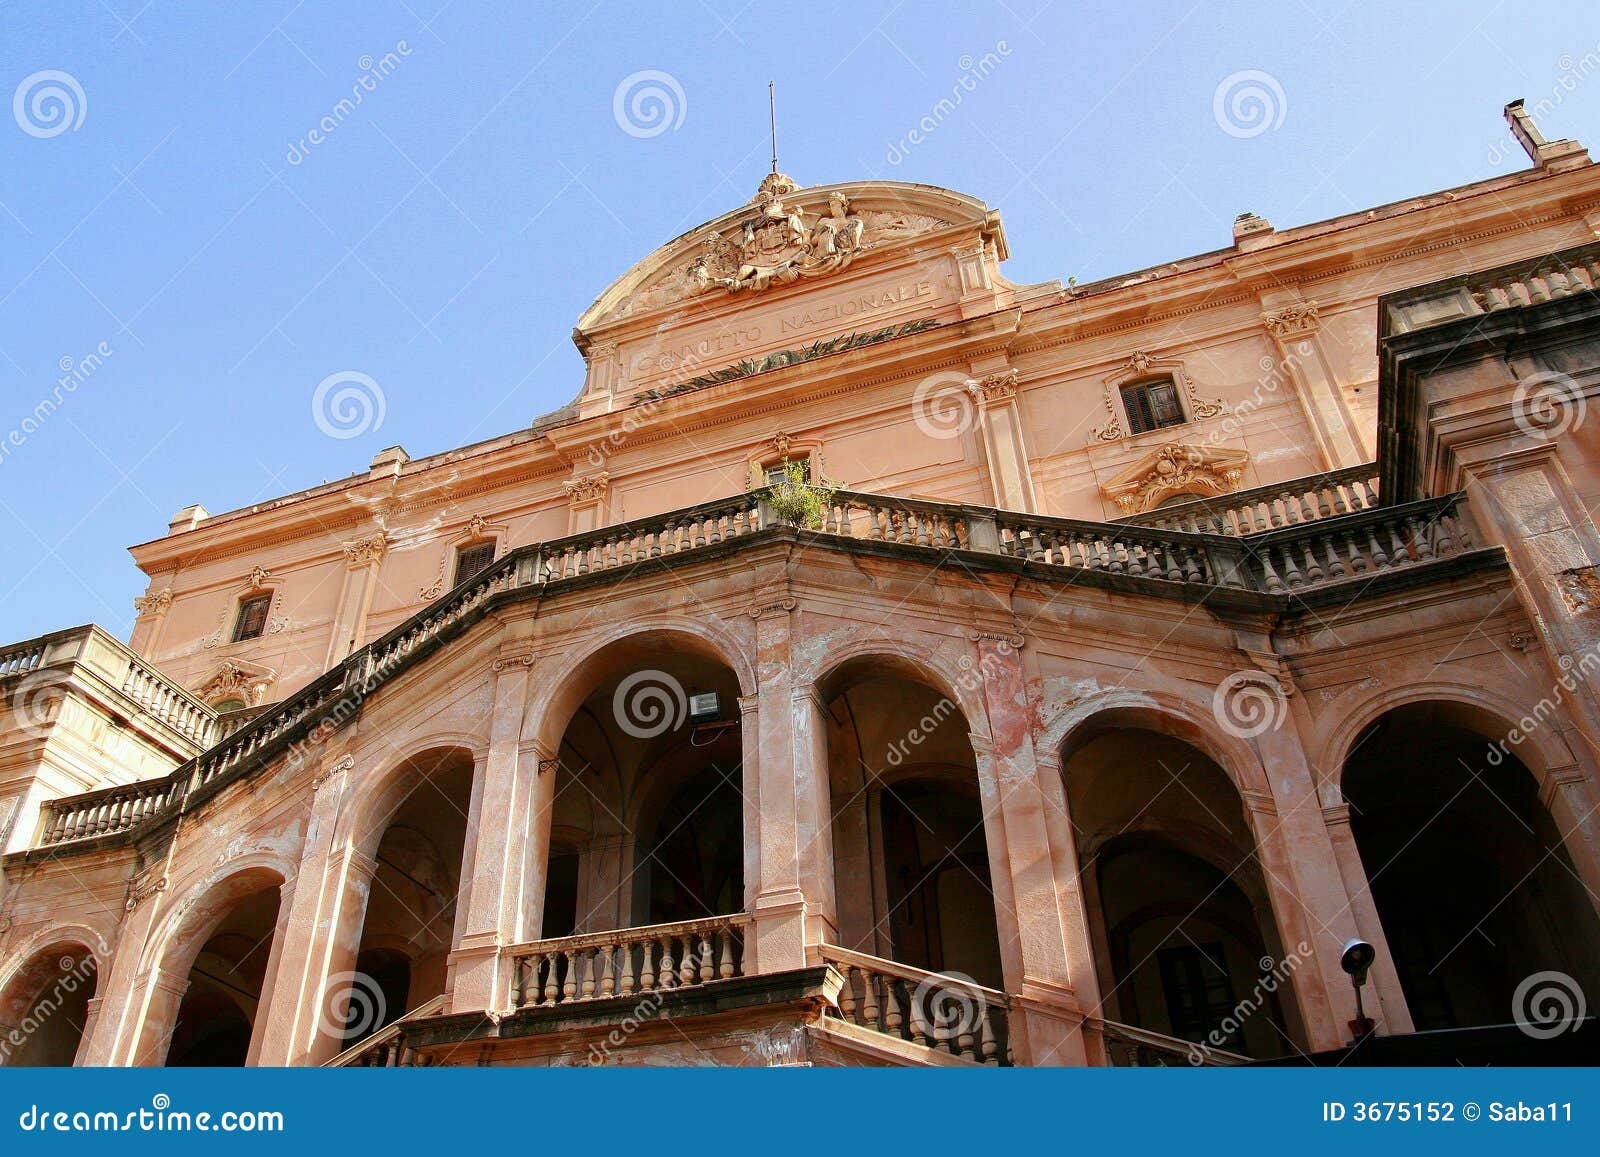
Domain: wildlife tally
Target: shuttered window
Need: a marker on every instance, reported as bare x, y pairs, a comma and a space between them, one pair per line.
252, 620
1152, 405
471, 559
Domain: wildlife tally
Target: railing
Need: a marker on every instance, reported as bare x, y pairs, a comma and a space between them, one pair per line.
387, 1048
1291, 558
1529, 282
1388, 538
102, 812
657, 958
631, 542
1127, 1046
1099, 546
21, 658
904, 520
1266, 508
168, 702
931, 1009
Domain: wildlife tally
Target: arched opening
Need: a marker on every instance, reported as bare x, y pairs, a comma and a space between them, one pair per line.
1473, 884
1183, 933
912, 876
649, 814
217, 1016
45, 1008
409, 925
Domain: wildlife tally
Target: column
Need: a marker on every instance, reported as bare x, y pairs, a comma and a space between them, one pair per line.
1297, 333
1385, 1001
152, 621
1028, 902
1004, 446
113, 1036
320, 921
783, 756
587, 494
492, 884
362, 559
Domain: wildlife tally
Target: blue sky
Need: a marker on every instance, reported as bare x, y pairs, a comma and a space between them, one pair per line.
445, 235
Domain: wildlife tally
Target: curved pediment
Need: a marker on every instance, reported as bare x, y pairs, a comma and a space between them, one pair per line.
786, 235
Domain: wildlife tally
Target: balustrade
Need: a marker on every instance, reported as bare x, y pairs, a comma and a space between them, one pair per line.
628, 961
931, 1009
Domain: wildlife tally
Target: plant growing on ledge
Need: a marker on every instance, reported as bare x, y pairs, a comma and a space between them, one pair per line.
797, 500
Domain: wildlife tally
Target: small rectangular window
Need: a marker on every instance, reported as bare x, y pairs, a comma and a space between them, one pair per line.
1152, 405
252, 620
1199, 994
471, 559
778, 472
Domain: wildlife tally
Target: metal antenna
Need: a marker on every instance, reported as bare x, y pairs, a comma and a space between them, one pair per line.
772, 116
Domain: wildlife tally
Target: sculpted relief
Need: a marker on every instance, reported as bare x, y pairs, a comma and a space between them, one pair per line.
778, 244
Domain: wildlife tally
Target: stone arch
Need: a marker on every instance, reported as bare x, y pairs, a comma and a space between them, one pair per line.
183, 933
1162, 712
45, 994
379, 792
559, 689
1543, 751
957, 681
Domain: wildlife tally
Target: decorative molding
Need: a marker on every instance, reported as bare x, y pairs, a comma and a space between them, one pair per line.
154, 604
259, 577
337, 768
367, 551
587, 488
504, 662
142, 889
781, 442
237, 679
549, 765
1175, 468
1142, 364
1014, 638
996, 387
1298, 317
780, 606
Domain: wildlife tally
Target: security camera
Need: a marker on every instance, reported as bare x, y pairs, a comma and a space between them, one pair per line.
1357, 958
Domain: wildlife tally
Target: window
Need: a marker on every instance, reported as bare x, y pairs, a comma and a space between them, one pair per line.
252, 620
777, 473
471, 559
1199, 995
1152, 405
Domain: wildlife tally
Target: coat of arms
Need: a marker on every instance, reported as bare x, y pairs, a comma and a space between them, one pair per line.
777, 245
